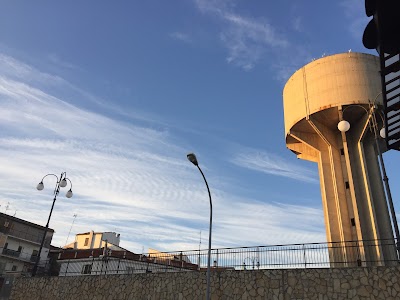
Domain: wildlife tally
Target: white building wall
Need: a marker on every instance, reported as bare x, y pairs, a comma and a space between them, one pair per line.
111, 237
74, 267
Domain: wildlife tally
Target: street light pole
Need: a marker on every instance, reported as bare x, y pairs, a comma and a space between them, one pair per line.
62, 182
192, 158
385, 180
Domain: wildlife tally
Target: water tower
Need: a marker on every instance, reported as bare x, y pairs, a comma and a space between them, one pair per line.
316, 98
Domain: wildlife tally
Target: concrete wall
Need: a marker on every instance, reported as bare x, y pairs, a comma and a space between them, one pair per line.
321, 284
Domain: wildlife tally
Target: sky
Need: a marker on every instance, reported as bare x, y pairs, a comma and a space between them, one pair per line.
116, 93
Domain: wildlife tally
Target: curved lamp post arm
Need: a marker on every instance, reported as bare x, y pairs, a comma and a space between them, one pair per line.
208, 189
70, 182
48, 175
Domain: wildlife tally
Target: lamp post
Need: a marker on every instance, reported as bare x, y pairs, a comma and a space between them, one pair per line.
61, 182
344, 126
192, 158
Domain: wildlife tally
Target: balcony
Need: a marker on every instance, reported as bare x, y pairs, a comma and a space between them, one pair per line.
27, 257
10, 252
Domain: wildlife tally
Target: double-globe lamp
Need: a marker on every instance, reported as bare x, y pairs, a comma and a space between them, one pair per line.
344, 126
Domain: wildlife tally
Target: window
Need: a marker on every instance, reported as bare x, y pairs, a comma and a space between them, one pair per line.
5, 245
35, 252
14, 268
86, 269
86, 241
19, 249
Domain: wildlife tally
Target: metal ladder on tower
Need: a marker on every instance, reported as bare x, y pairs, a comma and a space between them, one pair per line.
390, 78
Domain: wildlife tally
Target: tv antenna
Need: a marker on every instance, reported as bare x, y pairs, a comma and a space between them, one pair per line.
73, 221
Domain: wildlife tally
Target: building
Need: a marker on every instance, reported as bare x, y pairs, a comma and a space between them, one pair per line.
168, 256
95, 240
315, 98
19, 244
93, 254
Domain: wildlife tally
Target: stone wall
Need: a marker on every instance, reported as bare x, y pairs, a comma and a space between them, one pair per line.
321, 284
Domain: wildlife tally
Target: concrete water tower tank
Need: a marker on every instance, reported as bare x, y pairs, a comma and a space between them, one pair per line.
315, 99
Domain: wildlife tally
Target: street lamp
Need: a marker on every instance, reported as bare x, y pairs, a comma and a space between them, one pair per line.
192, 158
61, 182
344, 126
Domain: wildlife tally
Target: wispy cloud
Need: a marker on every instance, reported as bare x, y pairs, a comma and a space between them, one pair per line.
247, 39
180, 36
55, 59
126, 177
272, 164
297, 24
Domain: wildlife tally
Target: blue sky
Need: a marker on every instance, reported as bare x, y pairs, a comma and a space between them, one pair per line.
116, 94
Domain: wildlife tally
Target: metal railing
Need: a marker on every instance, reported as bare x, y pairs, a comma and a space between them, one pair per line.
24, 256
309, 255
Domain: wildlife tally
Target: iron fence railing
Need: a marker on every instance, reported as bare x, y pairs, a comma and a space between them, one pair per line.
309, 255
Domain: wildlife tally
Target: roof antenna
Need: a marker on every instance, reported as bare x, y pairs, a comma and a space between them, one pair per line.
73, 221
200, 241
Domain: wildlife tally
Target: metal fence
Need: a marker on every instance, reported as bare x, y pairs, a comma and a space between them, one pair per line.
310, 255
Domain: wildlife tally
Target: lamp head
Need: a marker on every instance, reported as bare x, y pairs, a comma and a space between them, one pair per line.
382, 133
192, 158
63, 183
69, 194
40, 186
343, 126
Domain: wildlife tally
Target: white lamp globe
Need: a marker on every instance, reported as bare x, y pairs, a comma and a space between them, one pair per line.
343, 126
40, 186
69, 194
382, 133
63, 183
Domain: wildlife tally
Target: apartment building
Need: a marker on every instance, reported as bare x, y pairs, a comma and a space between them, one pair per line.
95, 240
19, 244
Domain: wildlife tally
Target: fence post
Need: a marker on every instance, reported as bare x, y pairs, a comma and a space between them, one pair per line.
119, 260
91, 268
216, 261
66, 269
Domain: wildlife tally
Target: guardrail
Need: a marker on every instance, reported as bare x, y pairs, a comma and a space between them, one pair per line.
309, 255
